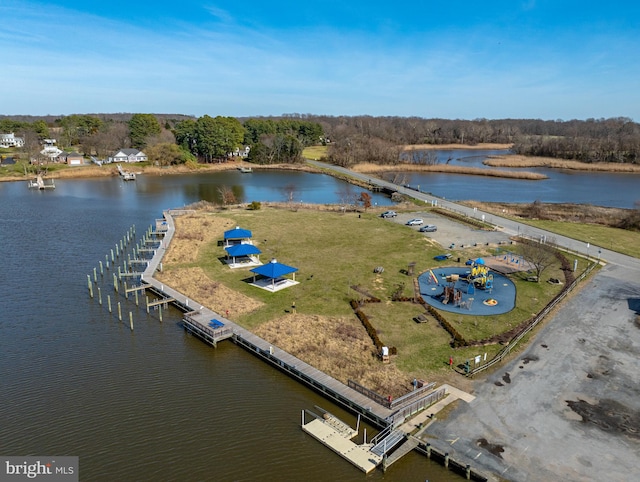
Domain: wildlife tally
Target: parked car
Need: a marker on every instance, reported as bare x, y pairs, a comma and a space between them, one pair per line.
389, 214
415, 222
428, 228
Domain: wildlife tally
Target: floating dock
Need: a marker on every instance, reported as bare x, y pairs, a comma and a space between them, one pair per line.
337, 435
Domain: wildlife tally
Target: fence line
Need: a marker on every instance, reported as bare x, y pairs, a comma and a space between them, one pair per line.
538, 318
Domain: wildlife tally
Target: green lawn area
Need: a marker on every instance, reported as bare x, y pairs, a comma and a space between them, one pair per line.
335, 251
315, 153
614, 239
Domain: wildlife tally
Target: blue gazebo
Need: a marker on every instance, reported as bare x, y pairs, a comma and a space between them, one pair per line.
243, 254
274, 272
237, 236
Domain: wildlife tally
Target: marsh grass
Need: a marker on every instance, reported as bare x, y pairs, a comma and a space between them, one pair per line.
446, 168
521, 161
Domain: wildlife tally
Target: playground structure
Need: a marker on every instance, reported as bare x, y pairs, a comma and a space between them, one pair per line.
480, 276
474, 289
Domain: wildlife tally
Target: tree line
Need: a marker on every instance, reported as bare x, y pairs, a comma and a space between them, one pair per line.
174, 138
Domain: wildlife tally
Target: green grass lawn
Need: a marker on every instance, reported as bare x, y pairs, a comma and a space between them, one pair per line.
315, 153
334, 251
614, 239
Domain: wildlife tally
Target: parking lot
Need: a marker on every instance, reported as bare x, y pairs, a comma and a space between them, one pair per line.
452, 232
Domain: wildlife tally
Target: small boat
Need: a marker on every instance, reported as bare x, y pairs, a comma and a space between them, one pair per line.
245, 170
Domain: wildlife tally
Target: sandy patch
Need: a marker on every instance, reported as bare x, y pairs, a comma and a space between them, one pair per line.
194, 283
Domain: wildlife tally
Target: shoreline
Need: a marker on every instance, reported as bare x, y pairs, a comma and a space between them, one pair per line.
445, 168
520, 161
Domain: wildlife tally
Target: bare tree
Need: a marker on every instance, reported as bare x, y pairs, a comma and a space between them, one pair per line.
226, 195
540, 254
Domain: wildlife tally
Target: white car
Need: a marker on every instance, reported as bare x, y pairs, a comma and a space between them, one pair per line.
414, 222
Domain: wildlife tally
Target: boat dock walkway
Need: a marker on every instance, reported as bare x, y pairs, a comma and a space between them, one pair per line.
212, 328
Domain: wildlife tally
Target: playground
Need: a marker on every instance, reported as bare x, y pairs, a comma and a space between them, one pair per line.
473, 289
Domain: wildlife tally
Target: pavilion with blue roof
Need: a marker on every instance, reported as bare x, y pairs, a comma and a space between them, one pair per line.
243, 255
237, 236
272, 276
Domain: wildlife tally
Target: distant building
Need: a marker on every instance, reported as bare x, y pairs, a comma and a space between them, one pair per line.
10, 140
128, 155
71, 158
240, 152
50, 149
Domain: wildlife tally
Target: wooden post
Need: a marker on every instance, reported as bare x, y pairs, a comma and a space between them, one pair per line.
101, 269
160, 313
126, 293
137, 304
446, 460
121, 247
117, 252
428, 451
99, 296
124, 264
119, 312
467, 472
89, 281
112, 257
109, 302
131, 320
91, 290
147, 302
115, 283
95, 275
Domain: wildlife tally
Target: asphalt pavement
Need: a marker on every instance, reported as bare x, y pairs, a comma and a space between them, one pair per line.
567, 407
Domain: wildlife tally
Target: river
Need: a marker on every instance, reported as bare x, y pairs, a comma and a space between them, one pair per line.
155, 403
619, 190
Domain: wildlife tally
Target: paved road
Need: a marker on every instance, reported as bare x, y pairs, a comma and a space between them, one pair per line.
568, 407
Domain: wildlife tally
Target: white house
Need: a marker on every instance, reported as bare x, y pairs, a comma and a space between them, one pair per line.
50, 149
128, 155
10, 140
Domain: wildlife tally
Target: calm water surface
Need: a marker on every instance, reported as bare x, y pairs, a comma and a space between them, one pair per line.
601, 189
155, 404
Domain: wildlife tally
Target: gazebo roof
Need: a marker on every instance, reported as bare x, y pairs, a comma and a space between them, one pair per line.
242, 250
274, 269
237, 233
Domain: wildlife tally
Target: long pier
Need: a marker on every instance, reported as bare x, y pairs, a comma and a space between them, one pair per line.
212, 328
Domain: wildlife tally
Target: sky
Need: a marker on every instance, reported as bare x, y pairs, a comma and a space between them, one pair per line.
455, 59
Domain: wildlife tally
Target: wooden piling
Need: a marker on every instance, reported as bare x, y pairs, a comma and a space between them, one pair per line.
119, 312
101, 269
99, 296
109, 302
90, 285
112, 257
160, 313
115, 282
95, 275
137, 303
147, 303
126, 293
131, 320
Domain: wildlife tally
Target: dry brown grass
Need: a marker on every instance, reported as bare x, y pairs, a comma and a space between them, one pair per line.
199, 287
518, 160
426, 147
475, 171
192, 232
338, 346
575, 213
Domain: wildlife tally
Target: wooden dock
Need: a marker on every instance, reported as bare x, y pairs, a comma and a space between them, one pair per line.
212, 328
336, 435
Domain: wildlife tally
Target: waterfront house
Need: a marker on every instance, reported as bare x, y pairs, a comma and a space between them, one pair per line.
10, 140
128, 155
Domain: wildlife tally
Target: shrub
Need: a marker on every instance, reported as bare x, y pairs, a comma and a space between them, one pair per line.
254, 206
